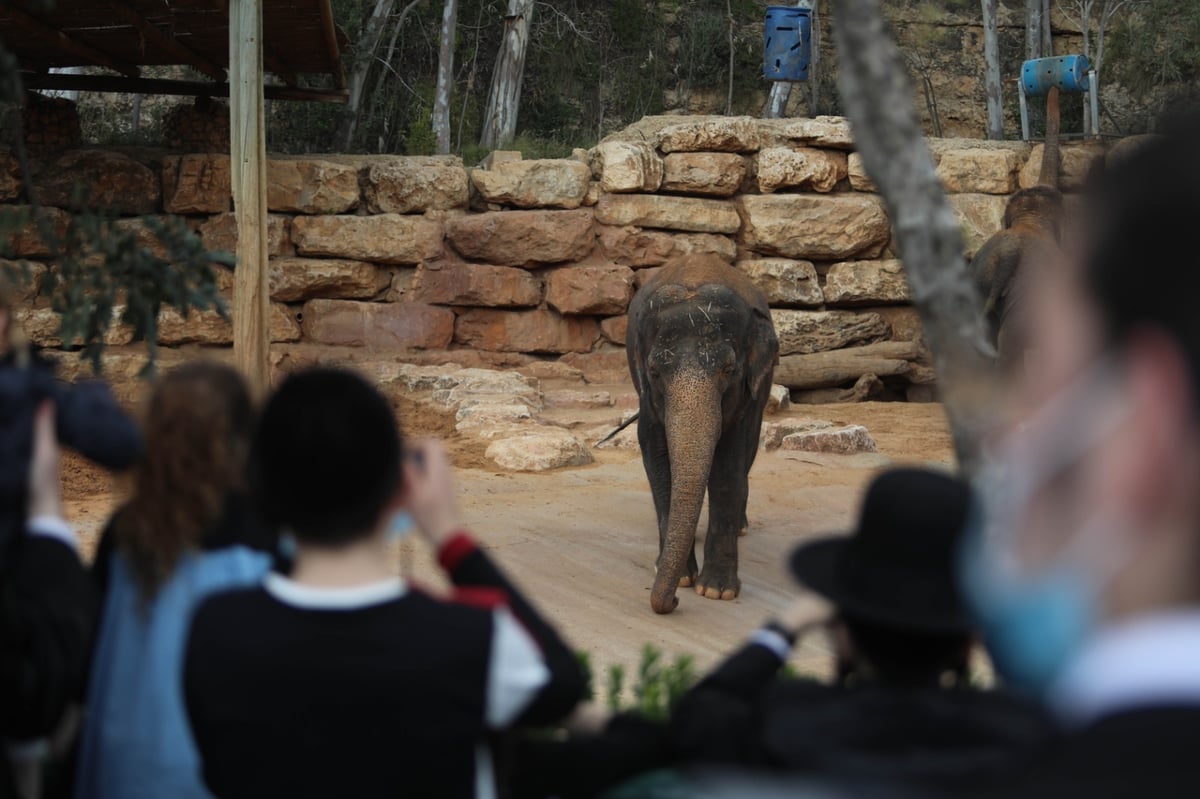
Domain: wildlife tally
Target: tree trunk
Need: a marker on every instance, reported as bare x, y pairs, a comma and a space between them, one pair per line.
991, 80
1047, 32
1033, 29
445, 77
729, 22
1085, 28
504, 97
135, 117
878, 97
833, 368
365, 52
814, 77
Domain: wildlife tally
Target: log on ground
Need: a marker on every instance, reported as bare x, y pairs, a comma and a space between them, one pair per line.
836, 367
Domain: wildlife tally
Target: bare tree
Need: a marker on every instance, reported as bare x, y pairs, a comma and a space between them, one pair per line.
1033, 28
877, 93
504, 97
730, 23
991, 78
445, 77
1085, 14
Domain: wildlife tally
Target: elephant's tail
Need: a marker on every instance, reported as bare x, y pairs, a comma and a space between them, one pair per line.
620, 427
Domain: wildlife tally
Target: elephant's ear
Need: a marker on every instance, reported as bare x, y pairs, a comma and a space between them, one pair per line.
764, 352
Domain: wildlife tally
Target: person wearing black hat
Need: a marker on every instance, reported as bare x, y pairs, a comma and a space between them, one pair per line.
901, 710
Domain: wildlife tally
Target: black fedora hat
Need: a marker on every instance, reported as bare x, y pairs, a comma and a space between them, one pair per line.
897, 568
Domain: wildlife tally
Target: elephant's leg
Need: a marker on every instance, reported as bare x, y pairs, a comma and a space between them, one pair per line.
652, 438
726, 516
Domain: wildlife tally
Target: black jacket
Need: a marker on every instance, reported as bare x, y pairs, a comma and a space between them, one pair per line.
938, 740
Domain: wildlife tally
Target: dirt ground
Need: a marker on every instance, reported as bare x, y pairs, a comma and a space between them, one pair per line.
582, 541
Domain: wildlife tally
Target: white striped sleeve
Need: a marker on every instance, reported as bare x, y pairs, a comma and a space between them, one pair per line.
516, 670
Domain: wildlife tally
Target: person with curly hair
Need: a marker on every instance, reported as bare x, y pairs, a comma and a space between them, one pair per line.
187, 532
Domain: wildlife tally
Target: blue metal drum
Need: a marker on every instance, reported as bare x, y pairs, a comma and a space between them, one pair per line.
1068, 72
787, 43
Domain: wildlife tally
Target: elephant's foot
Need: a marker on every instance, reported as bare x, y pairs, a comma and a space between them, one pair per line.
686, 580
718, 583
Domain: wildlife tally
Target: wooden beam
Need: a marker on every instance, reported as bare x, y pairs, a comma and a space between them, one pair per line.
34, 26
169, 43
329, 27
277, 64
183, 88
248, 160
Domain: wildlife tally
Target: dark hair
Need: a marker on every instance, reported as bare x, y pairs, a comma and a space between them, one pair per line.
1141, 215
197, 433
906, 658
326, 459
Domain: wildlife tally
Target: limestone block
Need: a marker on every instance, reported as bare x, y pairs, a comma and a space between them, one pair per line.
607, 366
772, 434
198, 183
785, 167
384, 325
866, 282
716, 134
28, 242
295, 279
716, 174
822, 131
979, 171
111, 181
387, 238
543, 183
10, 177
539, 450
20, 279
219, 233
672, 213
818, 331
815, 227
615, 328
414, 184
525, 331
859, 179
598, 290
442, 283
1077, 162
575, 398
625, 166
847, 440
633, 246
523, 238
779, 399
311, 186
980, 215
783, 281
207, 327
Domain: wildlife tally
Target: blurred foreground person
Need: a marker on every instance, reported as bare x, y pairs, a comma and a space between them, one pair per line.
46, 615
1085, 571
902, 713
342, 680
187, 532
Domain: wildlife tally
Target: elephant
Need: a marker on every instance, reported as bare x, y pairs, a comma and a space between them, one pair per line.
702, 352
1032, 232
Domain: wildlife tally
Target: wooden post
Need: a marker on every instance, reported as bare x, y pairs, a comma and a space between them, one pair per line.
248, 159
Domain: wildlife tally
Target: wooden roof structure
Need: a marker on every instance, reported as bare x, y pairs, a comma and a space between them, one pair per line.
300, 38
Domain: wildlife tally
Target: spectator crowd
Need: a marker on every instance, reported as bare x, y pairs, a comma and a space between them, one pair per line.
240, 631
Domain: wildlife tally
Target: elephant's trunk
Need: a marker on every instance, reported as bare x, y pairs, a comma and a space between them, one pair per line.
693, 426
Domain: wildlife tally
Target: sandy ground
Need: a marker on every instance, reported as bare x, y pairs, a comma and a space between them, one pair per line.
582, 542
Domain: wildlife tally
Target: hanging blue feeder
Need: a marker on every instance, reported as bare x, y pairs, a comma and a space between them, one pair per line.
787, 43
1068, 72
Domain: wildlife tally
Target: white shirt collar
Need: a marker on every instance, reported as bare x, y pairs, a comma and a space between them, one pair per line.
1150, 660
355, 597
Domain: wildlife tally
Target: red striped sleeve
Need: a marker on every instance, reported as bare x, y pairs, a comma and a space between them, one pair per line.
455, 550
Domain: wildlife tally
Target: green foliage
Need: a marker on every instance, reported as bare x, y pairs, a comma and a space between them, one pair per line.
1156, 46
658, 688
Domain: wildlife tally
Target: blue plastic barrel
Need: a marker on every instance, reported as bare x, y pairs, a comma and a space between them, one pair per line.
1068, 72
787, 43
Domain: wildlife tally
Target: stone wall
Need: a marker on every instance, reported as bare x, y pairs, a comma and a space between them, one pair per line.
379, 259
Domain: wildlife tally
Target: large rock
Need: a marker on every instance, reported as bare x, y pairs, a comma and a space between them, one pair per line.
632, 246
383, 325
295, 279
615, 329
815, 227
822, 131
672, 213
543, 183
1077, 162
627, 166
803, 332
785, 282
601, 290
980, 215
219, 233
197, 183
714, 134
866, 283
311, 186
716, 174
442, 283
772, 434
414, 184
207, 327
847, 440
111, 181
10, 177
523, 238
525, 331
387, 238
785, 167
19, 280
979, 171
27, 241
859, 179
539, 450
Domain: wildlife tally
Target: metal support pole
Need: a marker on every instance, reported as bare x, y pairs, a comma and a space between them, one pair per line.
1094, 98
1024, 110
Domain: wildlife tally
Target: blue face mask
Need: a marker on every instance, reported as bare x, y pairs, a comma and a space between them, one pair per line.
400, 526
